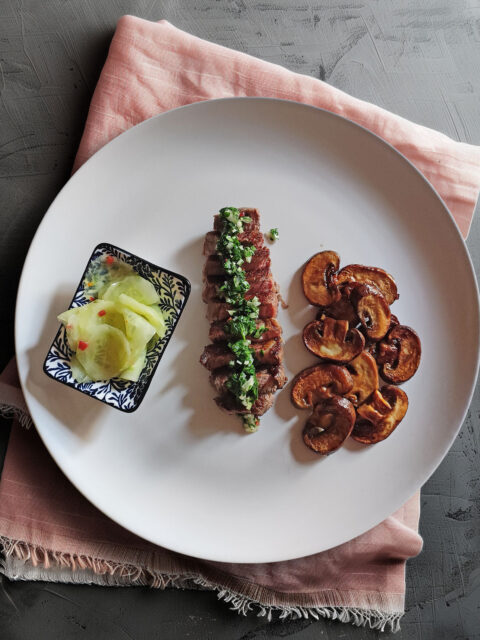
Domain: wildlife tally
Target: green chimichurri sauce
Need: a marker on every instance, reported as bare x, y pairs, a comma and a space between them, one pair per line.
242, 382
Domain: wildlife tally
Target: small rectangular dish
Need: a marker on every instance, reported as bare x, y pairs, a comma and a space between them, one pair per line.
125, 395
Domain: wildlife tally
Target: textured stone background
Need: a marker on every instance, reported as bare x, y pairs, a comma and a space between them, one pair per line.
418, 59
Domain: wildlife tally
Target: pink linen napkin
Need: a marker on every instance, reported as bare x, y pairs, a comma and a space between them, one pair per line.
49, 531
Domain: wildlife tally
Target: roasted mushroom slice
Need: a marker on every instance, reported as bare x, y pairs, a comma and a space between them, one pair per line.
340, 310
379, 278
315, 384
329, 425
372, 310
365, 378
393, 321
399, 354
371, 347
331, 339
378, 417
319, 278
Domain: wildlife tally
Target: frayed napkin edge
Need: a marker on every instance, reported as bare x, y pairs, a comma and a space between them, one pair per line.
10, 411
23, 561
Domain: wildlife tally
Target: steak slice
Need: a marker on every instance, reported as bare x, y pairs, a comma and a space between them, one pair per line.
218, 355
210, 245
269, 379
218, 309
259, 286
247, 227
269, 352
260, 261
230, 404
274, 330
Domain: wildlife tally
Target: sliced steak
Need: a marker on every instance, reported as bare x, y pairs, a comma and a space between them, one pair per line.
274, 330
269, 379
260, 261
267, 349
230, 404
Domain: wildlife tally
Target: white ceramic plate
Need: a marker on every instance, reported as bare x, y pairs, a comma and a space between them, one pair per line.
179, 472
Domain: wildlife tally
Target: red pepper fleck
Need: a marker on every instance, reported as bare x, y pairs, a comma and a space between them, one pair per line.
82, 345
241, 214
91, 298
89, 284
110, 259
102, 312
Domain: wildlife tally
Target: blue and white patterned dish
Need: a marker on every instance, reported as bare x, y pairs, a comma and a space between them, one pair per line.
125, 395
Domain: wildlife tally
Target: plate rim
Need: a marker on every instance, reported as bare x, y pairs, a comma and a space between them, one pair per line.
204, 104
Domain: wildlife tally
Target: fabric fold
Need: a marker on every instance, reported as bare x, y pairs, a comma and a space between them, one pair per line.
154, 67
48, 531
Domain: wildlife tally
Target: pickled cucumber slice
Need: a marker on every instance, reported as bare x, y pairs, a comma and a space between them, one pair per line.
79, 320
139, 331
107, 352
161, 318
134, 370
134, 286
152, 314
70, 320
78, 372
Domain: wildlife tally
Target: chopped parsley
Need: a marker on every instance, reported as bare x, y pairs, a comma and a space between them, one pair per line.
242, 382
242, 326
250, 423
273, 234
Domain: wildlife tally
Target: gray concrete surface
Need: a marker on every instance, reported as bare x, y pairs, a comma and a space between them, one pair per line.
418, 59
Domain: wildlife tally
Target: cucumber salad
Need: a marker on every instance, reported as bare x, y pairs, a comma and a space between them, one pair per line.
111, 334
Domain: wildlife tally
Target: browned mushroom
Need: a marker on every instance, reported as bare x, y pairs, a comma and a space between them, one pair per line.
319, 278
331, 339
329, 425
371, 347
393, 321
365, 378
399, 354
318, 383
340, 310
379, 278
378, 417
372, 310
